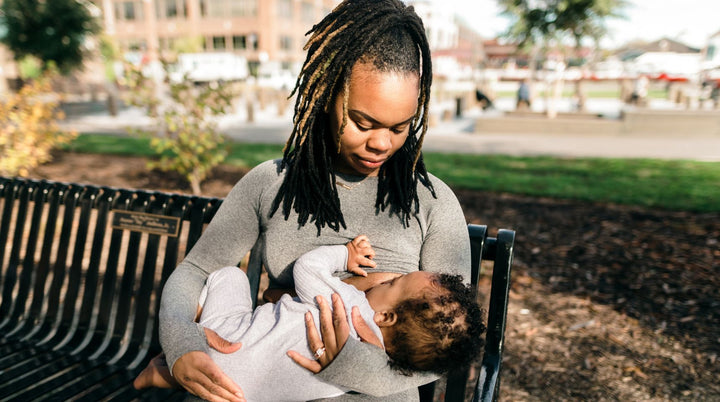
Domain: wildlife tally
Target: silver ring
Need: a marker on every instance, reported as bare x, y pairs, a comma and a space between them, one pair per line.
318, 353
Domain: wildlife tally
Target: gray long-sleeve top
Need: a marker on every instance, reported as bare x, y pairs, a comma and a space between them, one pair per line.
435, 240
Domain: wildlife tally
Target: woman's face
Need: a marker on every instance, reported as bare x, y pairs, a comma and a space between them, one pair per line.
381, 106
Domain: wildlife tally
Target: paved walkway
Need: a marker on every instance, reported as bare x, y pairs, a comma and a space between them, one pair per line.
456, 135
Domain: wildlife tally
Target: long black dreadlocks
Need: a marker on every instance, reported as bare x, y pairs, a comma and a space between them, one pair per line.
391, 36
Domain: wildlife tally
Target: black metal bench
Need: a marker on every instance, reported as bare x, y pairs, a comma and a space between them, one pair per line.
81, 270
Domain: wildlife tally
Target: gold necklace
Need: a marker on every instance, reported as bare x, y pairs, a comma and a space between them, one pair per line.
348, 186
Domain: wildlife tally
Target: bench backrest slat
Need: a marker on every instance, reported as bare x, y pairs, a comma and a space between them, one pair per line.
89, 305
71, 314
42, 267
11, 268
26, 273
47, 198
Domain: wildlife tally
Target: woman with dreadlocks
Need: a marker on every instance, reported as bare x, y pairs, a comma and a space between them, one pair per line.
352, 165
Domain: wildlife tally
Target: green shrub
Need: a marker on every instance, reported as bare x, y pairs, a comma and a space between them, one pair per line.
185, 136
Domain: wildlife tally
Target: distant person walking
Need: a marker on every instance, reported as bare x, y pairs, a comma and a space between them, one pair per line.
523, 96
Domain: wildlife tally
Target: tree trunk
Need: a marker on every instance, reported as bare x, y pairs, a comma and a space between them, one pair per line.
195, 183
580, 96
557, 86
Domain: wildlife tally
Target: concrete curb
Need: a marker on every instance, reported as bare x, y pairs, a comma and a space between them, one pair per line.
631, 123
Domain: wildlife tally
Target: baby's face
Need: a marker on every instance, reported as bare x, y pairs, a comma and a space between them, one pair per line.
386, 295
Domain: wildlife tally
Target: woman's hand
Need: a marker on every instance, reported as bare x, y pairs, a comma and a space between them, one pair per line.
335, 330
360, 254
199, 374
155, 374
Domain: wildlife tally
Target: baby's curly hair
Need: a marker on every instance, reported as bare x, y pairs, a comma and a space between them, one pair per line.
439, 331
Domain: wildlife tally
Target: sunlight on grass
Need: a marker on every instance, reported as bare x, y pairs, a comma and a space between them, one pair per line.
680, 185
110, 144
249, 155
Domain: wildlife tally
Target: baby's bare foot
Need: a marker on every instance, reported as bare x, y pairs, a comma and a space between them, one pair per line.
156, 374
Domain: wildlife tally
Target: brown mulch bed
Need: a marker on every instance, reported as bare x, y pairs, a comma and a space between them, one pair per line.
608, 302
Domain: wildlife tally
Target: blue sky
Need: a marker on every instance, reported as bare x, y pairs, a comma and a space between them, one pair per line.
690, 21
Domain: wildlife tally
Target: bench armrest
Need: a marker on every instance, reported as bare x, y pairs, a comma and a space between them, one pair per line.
501, 251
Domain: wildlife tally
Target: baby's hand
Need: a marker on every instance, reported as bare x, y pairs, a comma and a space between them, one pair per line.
360, 254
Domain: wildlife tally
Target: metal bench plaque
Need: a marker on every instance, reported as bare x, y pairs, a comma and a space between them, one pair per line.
147, 223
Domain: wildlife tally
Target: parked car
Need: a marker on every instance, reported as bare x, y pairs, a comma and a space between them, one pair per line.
210, 67
272, 75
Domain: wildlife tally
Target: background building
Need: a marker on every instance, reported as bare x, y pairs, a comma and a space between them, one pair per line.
439, 22
456, 48
259, 30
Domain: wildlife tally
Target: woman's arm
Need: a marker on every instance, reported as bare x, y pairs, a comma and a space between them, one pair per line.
446, 246
226, 240
375, 382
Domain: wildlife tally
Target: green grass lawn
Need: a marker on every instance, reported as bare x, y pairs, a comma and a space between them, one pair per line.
679, 185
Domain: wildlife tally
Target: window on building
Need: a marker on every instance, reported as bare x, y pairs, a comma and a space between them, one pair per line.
129, 10
243, 8
218, 42
285, 42
203, 8
710, 52
216, 8
239, 42
284, 9
171, 9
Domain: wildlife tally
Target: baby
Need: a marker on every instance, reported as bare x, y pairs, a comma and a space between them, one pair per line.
427, 322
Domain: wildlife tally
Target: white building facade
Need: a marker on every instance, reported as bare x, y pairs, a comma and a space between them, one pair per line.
440, 27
